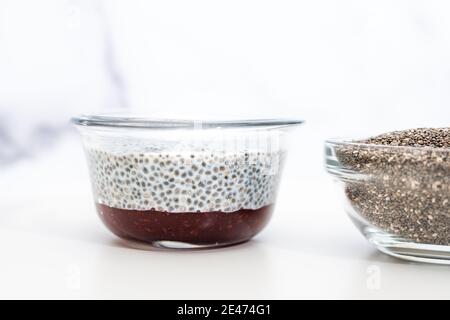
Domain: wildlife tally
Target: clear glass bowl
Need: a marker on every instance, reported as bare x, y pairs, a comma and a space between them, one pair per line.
183, 183
398, 197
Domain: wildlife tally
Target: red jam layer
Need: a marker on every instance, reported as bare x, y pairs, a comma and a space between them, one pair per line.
201, 228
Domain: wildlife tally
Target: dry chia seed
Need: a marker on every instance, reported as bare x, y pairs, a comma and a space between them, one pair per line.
405, 191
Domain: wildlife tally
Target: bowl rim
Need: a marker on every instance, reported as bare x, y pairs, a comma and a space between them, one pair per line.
120, 120
354, 142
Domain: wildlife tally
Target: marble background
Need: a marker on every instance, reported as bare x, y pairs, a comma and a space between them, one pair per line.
346, 67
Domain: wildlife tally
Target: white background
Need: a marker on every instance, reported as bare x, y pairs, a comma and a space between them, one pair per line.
349, 68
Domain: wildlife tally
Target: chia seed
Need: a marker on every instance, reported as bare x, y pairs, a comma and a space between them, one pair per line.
172, 178
404, 187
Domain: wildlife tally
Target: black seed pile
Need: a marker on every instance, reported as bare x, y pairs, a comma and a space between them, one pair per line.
185, 181
402, 190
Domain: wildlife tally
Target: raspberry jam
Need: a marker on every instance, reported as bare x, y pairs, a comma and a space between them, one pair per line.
198, 228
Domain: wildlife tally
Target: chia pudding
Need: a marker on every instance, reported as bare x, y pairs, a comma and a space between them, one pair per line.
197, 197
400, 183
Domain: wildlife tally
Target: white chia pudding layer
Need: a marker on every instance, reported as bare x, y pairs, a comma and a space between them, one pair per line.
183, 181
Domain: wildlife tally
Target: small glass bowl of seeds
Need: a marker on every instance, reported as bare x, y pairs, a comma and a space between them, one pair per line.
397, 190
184, 183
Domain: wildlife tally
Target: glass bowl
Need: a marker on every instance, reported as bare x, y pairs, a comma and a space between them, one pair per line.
184, 183
397, 196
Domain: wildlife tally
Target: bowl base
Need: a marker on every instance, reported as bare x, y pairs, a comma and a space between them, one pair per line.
401, 248
406, 249
175, 245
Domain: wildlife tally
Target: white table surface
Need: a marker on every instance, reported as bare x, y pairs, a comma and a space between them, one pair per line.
53, 245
